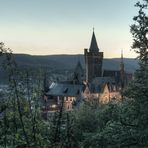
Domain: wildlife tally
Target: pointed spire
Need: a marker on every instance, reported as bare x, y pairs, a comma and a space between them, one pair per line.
78, 73
122, 63
93, 45
78, 67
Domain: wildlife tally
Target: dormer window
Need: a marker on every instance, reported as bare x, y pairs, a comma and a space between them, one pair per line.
65, 90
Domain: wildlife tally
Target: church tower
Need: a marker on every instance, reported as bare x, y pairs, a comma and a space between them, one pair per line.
93, 60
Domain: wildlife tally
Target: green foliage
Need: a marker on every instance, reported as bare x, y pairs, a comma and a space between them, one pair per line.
93, 125
94, 122
134, 111
21, 120
139, 31
86, 117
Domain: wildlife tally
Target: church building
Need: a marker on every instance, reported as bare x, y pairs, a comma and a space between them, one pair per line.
92, 82
103, 84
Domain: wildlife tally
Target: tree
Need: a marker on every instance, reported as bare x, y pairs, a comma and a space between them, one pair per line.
20, 116
134, 113
139, 31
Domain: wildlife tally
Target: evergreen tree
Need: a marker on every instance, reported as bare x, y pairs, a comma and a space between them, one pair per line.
139, 31
134, 113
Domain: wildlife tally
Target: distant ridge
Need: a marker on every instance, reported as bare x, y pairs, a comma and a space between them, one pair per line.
67, 62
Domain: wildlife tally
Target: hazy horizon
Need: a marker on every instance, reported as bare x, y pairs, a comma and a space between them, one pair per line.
135, 58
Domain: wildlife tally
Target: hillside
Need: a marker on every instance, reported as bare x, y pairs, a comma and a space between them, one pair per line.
65, 62
69, 61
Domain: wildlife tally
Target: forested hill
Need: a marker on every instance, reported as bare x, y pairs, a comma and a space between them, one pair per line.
68, 62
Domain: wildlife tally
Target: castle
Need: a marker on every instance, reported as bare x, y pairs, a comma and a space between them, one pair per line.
91, 83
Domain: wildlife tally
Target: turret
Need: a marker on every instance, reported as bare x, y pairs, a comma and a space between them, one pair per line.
78, 73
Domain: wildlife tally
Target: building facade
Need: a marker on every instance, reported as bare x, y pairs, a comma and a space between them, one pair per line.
104, 85
92, 83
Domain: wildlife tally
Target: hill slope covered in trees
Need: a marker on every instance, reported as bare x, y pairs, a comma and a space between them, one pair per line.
65, 62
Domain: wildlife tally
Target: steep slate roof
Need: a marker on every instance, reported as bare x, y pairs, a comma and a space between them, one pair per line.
101, 80
59, 89
93, 45
115, 74
97, 85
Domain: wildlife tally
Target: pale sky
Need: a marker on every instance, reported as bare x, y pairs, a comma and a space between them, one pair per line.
45, 27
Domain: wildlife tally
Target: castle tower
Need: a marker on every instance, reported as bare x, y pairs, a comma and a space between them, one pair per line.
93, 60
